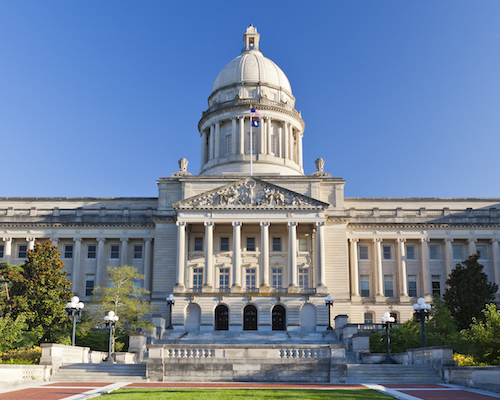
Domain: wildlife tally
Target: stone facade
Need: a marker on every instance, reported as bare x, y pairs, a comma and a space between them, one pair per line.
251, 243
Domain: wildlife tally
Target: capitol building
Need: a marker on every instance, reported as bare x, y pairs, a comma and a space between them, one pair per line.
251, 242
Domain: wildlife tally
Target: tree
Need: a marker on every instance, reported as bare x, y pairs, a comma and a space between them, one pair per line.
40, 293
123, 297
468, 292
5, 269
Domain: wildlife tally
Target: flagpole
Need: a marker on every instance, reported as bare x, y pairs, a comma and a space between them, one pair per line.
251, 142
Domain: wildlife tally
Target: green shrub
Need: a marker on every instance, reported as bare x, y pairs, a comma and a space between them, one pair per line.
29, 356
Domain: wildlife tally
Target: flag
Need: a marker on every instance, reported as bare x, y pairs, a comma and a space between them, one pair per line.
255, 123
255, 113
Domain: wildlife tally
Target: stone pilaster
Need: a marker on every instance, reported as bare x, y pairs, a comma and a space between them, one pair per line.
181, 256
403, 273
236, 285
264, 263
76, 273
292, 250
354, 270
209, 256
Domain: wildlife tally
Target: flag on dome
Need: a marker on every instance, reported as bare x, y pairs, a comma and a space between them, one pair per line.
255, 123
256, 113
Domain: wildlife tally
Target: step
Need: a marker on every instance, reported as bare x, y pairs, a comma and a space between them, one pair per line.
101, 373
392, 373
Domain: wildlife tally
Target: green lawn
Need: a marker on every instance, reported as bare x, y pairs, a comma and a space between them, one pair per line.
253, 394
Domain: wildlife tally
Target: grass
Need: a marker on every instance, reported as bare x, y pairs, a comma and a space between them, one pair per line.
252, 394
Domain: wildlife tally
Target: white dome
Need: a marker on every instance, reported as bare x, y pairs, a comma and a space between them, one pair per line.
251, 67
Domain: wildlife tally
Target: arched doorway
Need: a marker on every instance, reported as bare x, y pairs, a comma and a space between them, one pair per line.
221, 318
308, 318
279, 318
250, 318
193, 316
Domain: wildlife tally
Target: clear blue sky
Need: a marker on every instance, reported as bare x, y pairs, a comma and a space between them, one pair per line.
101, 98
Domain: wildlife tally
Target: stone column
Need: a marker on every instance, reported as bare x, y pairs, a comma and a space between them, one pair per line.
472, 246
7, 256
100, 272
209, 255
354, 268
204, 149
448, 255
234, 135
269, 135
211, 143
286, 139
236, 256
264, 254
299, 149
426, 279
77, 259
124, 252
241, 142
403, 274
280, 141
181, 256
147, 263
262, 136
379, 275
496, 261
292, 250
291, 151
320, 239
217, 140
31, 243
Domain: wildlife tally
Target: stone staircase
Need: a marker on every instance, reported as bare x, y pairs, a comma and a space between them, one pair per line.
391, 373
101, 373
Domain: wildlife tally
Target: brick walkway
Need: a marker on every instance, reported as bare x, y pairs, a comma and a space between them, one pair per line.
87, 390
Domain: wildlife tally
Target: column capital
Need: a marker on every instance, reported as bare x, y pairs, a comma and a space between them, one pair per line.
264, 224
377, 240
208, 223
148, 240
353, 240
30, 239
124, 240
320, 223
472, 240
101, 239
495, 240
290, 224
236, 223
449, 240
268, 118
401, 240
425, 240
77, 240
54, 240
7, 239
180, 223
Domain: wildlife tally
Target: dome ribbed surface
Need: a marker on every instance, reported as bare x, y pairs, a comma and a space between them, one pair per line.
252, 67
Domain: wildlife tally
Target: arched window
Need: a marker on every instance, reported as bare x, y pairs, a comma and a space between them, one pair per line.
279, 318
221, 318
250, 318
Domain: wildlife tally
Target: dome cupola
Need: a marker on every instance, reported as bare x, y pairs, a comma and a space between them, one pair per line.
251, 81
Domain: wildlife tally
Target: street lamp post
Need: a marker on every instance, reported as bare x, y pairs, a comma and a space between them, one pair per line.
329, 303
387, 320
422, 312
110, 319
74, 311
170, 302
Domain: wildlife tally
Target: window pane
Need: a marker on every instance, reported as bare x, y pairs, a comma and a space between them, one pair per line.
198, 244
68, 251
436, 285
250, 278
457, 252
482, 251
276, 244
89, 284
387, 252
412, 286
365, 286
1, 251
277, 275
224, 278
368, 318
304, 277
250, 244
197, 278
363, 252
302, 244
224, 244
22, 251
410, 253
91, 251
138, 251
434, 252
388, 286
115, 251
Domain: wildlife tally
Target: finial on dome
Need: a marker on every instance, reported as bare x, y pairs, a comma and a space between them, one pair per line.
251, 39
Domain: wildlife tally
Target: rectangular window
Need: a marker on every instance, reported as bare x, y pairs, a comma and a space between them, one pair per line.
368, 318
388, 286
115, 251
224, 278
91, 250
457, 253
410, 253
198, 244
277, 278
251, 244
365, 285
436, 285
302, 244
68, 251
276, 244
138, 251
197, 278
434, 252
482, 252
224, 244
138, 284
1, 251
21, 251
304, 277
229, 144
89, 284
387, 252
412, 285
250, 278
363, 252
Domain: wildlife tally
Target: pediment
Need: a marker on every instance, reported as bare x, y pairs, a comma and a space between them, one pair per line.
251, 193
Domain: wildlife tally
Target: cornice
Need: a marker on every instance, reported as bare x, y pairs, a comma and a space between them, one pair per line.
72, 225
423, 225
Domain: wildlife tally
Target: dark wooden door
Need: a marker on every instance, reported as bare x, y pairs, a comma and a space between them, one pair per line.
250, 318
221, 318
279, 318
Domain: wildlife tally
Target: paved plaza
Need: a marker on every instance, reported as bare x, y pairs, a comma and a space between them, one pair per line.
87, 390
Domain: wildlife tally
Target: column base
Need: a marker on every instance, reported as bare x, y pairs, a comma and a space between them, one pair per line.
356, 298
265, 288
236, 289
179, 288
293, 289
321, 289
404, 299
380, 298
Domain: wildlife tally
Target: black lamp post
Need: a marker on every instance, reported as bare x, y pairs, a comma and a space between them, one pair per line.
387, 320
421, 313
74, 311
170, 302
110, 319
329, 303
